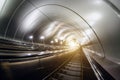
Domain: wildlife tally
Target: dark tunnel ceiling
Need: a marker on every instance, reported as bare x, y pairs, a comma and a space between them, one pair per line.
95, 21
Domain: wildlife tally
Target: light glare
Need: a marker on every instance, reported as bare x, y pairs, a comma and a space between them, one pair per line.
31, 37
1, 4
93, 17
42, 37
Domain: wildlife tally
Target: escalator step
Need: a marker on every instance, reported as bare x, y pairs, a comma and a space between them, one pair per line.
72, 73
67, 77
72, 69
78, 66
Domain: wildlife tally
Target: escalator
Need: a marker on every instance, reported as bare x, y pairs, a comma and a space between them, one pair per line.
78, 68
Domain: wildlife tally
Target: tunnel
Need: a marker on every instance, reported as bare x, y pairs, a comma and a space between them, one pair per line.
59, 39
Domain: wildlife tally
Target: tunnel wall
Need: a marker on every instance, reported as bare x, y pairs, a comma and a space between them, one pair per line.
98, 16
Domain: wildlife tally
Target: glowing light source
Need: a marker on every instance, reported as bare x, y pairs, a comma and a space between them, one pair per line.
42, 37
41, 53
29, 54
51, 42
56, 40
72, 44
31, 37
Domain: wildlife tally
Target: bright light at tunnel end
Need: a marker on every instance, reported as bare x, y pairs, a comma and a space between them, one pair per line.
72, 45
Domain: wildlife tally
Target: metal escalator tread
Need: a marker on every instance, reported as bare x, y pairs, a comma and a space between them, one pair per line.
74, 63
78, 68
67, 77
72, 73
72, 68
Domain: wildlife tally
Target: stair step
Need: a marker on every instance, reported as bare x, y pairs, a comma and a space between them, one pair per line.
72, 73
67, 77
72, 68
73, 65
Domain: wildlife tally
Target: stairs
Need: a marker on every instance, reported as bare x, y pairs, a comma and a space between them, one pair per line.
71, 71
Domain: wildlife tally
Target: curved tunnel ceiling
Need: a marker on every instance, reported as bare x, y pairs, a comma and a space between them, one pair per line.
93, 23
